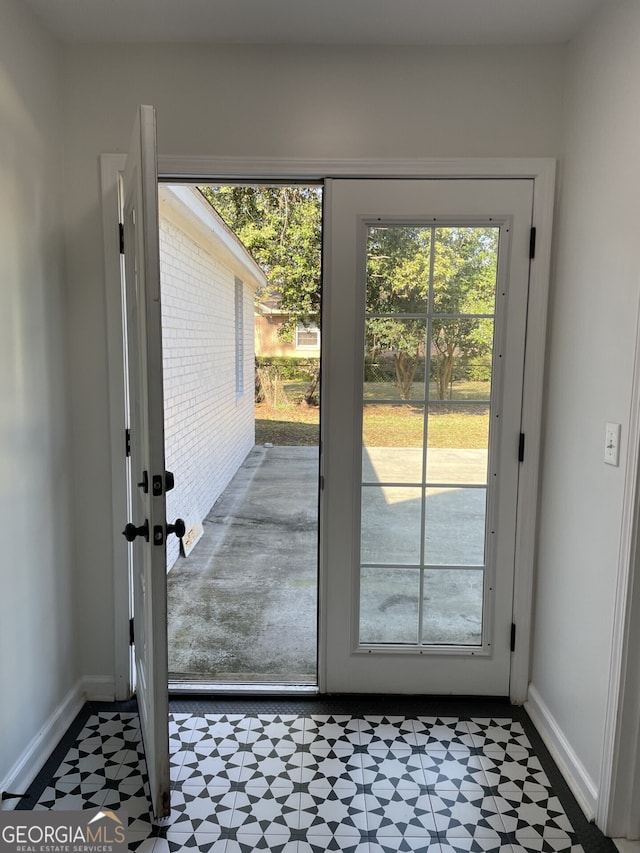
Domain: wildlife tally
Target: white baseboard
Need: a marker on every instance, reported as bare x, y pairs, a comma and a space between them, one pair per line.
25, 770
581, 784
99, 688
626, 846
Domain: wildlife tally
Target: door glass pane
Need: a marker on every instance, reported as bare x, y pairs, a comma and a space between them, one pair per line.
452, 607
390, 602
395, 359
458, 444
461, 358
390, 526
465, 270
455, 527
392, 438
398, 268
426, 417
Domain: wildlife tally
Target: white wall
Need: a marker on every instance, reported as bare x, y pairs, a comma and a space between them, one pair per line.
209, 427
272, 101
591, 346
38, 659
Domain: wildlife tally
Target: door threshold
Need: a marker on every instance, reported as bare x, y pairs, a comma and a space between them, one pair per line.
217, 688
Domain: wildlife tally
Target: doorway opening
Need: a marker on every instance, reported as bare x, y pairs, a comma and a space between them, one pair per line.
240, 269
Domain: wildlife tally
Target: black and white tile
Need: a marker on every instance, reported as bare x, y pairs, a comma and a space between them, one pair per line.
305, 783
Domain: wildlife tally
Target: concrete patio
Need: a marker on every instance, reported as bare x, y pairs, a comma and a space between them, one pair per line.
243, 605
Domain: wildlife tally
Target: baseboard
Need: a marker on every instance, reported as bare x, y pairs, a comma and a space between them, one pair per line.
99, 688
42, 745
626, 846
581, 784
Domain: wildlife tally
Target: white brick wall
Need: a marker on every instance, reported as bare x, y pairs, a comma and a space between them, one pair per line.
209, 429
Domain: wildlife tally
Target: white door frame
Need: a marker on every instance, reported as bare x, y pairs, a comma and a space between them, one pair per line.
111, 168
617, 811
192, 169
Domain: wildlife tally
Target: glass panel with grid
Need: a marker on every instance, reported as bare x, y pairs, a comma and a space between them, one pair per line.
426, 415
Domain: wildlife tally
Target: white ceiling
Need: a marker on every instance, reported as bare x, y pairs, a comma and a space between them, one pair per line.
406, 22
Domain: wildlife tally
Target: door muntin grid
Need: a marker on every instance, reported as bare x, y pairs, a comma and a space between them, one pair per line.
433, 314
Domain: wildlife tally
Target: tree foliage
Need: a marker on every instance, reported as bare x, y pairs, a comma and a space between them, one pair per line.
448, 273
445, 272
282, 228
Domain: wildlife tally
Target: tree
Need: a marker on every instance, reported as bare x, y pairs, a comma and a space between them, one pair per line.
448, 272
282, 228
402, 261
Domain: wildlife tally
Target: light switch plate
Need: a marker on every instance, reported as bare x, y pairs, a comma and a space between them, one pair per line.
612, 444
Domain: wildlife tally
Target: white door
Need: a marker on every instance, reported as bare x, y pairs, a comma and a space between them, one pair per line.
424, 328
147, 526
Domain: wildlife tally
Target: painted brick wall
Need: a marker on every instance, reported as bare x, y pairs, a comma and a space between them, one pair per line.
209, 428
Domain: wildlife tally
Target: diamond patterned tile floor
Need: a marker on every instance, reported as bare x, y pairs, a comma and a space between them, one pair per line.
250, 777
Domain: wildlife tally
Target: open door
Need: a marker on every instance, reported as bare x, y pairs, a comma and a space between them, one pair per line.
147, 528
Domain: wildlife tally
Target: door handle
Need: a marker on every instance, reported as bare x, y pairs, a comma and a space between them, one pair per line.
131, 531
179, 528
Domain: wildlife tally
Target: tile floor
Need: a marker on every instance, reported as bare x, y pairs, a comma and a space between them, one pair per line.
298, 782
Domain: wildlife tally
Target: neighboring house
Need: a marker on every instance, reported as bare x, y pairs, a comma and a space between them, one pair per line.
270, 319
208, 285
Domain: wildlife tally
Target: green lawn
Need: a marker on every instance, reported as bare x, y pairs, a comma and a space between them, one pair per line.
459, 391
384, 425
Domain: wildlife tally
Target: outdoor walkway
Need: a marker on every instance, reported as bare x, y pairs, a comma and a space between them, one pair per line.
242, 606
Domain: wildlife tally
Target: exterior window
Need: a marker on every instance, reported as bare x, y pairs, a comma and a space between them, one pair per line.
307, 337
239, 324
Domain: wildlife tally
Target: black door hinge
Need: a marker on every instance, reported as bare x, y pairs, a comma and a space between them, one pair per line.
521, 448
513, 637
131, 633
532, 244
121, 237
127, 442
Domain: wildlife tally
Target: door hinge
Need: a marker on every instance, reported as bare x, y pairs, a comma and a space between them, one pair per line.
121, 237
532, 243
521, 448
513, 637
127, 442
131, 633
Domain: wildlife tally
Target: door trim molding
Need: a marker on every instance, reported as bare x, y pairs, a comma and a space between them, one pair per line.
196, 168
190, 168
111, 166
532, 402
619, 783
